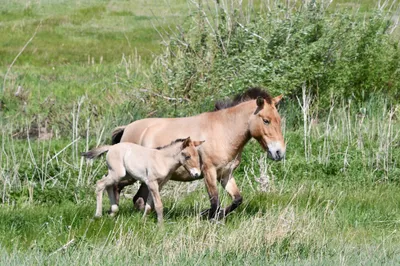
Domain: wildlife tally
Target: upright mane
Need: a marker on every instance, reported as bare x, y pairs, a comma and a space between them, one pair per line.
172, 143
249, 94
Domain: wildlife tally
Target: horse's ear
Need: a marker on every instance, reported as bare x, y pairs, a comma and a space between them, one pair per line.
277, 99
198, 143
186, 142
260, 101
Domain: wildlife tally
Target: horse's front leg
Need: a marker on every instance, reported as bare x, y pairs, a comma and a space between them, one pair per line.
210, 180
228, 183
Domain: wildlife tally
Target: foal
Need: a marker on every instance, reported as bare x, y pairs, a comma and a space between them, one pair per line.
128, 161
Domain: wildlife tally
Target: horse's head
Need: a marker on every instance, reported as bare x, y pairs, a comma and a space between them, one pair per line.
265, 127
189, 157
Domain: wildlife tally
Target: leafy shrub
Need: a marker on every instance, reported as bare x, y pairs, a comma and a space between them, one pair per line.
340, 54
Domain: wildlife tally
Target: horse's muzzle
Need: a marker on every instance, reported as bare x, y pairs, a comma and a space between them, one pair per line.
275, 151
194, 172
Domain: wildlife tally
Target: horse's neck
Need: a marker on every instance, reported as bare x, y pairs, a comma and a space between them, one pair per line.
168, 157
235, 121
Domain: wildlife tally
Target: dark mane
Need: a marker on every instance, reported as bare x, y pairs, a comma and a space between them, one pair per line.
172, 143
249, 94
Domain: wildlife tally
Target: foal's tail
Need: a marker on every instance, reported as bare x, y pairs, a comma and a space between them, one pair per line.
96, 152
117, 134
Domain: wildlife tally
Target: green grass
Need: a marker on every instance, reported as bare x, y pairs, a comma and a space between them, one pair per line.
71, 31
310, 223
338, 207
82, 48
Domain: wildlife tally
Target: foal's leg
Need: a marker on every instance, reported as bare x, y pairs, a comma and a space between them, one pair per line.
117, 193
140, 197
115, 173
147, 207
100, 186
113, 200
155, 195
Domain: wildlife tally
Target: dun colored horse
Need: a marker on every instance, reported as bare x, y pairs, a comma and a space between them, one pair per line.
153, 167
226, 132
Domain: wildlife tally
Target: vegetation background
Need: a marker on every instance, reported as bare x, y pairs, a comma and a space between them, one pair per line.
71, 71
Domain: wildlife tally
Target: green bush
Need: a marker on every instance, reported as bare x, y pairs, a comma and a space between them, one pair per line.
342, 55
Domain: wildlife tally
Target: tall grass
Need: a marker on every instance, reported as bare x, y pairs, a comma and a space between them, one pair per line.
342, 198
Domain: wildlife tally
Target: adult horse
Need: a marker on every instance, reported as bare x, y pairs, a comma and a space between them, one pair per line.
225, 131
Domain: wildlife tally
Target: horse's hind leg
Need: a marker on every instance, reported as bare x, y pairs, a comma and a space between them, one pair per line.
118, 188
139, 200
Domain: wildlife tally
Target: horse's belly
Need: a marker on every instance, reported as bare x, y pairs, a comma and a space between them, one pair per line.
228, 168
182, 175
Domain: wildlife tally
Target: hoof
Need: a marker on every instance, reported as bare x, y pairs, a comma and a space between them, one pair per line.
114, 208
220, 214
139, 204
97, 216
147, 210
204, 213
112, 214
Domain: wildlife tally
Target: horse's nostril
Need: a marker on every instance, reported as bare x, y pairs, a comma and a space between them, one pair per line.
279, 155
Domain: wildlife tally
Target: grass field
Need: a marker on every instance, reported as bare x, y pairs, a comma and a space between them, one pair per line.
334, 200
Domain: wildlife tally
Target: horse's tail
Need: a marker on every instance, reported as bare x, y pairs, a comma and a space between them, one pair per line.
96, 152
117, 134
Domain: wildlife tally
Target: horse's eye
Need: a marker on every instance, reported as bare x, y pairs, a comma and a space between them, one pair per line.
266, 121
187, 157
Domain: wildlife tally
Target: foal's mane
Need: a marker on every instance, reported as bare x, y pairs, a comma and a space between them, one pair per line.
248, 95
172, 143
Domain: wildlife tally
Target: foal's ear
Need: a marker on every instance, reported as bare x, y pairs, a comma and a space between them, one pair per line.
260, 101
198, 143
277, 99
186, 142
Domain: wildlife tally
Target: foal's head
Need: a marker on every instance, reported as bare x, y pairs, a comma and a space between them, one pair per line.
189, 157
265, 126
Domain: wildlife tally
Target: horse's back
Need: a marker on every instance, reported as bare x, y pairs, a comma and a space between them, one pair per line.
134, 131
156, 132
